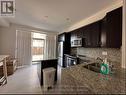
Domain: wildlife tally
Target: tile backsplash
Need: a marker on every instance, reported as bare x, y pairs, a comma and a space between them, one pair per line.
113, 54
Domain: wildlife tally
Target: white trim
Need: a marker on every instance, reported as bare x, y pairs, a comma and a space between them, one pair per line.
124, 36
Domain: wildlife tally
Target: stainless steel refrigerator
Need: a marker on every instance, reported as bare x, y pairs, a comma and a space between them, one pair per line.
61, 54
63, 48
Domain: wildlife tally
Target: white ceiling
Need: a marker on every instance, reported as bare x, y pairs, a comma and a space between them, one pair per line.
52, 14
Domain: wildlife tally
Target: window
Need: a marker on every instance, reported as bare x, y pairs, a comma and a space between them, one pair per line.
38, 43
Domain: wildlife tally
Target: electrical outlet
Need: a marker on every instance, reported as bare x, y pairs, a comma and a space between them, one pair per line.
104, 53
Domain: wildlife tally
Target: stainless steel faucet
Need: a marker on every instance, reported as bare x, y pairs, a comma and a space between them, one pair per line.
99, 58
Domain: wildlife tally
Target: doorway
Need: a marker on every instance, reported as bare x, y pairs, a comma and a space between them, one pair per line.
38, 45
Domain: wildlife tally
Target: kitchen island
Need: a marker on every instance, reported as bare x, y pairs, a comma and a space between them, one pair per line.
46, 64
80, 80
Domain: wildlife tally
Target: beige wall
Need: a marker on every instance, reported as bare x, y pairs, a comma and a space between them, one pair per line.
8, 37
7, 40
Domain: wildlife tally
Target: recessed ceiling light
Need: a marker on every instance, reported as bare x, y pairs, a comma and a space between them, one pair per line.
68, 19
46, 16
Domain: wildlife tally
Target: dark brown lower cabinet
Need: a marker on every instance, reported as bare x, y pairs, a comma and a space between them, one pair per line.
45, 64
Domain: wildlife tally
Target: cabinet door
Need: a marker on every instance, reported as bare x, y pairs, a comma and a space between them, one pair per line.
104, 32
73, 35
87, 33
95, 34
114, 28
79, 33
91, 33
61, 37
76, 33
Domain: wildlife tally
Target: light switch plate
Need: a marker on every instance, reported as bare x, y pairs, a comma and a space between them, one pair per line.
104, 53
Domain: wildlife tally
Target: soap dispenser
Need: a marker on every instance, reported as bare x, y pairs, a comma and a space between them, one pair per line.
105, 67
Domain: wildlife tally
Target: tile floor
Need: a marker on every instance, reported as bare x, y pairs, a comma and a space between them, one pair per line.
24, 80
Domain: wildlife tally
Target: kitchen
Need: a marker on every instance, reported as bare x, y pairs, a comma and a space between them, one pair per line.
91, 57
80, 48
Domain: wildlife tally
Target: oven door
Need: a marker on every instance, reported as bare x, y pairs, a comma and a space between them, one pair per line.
71, 61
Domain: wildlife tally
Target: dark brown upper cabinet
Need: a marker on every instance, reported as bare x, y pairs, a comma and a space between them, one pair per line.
61, 37
104, 33
111, 29
90, 35
65, 37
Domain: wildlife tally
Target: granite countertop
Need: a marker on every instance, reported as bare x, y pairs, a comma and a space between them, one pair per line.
96, 83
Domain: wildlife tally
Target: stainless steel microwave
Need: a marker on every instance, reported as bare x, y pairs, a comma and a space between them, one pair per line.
77, 42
